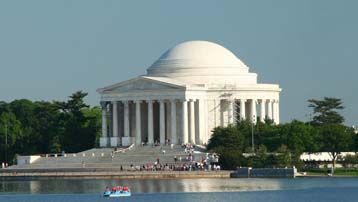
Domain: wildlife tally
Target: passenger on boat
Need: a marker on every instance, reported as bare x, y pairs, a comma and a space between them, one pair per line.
114, 189
125, 188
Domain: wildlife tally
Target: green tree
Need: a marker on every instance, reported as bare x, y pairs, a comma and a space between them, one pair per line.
23, 109
92, 126
226, 137
42, 127
283, 157
335, 138
55, 144
48, 127
228, 142
80, 131
326, 111
10, 132
259, 160
230, 159
300, 137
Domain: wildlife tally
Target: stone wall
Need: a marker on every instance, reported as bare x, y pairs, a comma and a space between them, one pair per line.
264, 173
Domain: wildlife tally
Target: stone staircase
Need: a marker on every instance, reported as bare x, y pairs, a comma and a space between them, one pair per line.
114, 158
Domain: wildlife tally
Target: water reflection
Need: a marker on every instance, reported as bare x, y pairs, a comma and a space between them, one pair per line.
35, 186
171, 185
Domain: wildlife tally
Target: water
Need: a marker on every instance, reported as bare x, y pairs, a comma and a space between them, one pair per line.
210, 190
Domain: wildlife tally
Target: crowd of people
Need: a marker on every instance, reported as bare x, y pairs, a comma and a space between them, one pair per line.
193, 166
184, 162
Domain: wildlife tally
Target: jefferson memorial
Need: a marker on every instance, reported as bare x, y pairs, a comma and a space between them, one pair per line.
191, 89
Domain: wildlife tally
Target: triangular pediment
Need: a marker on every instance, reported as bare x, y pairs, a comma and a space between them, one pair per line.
143, 84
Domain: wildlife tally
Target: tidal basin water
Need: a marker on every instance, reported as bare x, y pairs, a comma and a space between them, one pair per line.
210, 190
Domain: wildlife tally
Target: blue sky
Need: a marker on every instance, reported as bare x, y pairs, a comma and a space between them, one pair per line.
50, 49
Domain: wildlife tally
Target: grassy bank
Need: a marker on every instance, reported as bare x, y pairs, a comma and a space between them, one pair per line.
344, 172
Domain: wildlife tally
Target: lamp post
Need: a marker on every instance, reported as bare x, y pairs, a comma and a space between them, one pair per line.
5, 143
252, 133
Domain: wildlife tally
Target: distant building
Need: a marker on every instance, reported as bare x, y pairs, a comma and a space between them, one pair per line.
191, 89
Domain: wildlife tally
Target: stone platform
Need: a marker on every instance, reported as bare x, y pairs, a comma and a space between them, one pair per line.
116, 158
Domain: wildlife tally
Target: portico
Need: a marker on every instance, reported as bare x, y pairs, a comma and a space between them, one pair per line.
183, 97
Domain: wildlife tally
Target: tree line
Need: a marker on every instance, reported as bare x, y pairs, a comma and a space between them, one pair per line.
28, 127
281, 145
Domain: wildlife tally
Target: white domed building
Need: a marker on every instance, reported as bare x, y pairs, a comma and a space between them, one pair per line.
191, 89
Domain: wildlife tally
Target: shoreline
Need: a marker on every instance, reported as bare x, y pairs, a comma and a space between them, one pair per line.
25, 174
114, 173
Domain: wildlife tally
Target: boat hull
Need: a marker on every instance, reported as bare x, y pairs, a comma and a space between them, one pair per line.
117, 194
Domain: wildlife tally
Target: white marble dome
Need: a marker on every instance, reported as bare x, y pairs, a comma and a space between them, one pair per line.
201, 62
198, 54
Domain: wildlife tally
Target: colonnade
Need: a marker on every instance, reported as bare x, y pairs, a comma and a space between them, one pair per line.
269, 109
175, 121
185, 124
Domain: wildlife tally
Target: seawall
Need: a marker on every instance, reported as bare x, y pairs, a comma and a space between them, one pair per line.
264, 173
79, 173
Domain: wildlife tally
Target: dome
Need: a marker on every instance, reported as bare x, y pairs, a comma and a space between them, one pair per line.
198, 54
201, 62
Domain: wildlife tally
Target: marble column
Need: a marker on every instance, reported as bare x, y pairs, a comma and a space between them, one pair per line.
162, 122
114, 139
104, 119
185, 121
115, 119
126, 119
150, 122
138, 122
253, 111
274, 111
192, 121
173, 119
242, 109
110, 119
278, 112
230, 111
217, 118
104, 138
263, 110
203, 118
269, 110
200, 121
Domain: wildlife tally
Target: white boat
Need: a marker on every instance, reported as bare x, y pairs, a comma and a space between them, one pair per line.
117, 193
